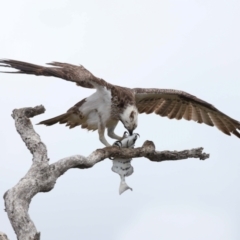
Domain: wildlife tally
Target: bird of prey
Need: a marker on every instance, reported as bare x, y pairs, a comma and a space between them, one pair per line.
111, 103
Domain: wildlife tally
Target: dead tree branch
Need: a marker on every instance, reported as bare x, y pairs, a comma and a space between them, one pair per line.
42, 176
3, 236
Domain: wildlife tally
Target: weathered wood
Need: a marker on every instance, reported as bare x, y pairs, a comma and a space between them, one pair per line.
3, 236
42, 176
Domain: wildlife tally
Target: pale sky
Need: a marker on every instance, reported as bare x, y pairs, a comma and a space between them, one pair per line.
190, 45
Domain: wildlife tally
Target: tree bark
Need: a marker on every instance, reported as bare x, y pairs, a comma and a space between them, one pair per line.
42, 176
3, 236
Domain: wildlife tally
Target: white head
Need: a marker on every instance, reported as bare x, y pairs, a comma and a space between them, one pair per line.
129, 118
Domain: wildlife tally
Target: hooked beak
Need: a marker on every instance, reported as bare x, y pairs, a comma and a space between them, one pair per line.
130, 132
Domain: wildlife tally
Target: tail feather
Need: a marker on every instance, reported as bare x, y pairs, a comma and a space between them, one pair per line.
61, 119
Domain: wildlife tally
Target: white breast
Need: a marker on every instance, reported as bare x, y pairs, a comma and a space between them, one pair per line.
97, 104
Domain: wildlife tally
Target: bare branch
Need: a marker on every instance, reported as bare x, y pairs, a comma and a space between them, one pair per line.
42, 176
147, 151
157, 156
3, 236
29, 136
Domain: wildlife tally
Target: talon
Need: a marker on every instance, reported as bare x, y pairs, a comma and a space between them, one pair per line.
118, 144
125, 135
138, 135
111, 158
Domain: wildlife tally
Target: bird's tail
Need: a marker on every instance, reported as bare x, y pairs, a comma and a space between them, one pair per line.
61, 119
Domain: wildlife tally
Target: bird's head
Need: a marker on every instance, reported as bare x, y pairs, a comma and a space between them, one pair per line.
129, 118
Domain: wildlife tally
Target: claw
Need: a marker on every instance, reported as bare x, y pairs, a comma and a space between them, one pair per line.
136, 136
125, 135
118, 144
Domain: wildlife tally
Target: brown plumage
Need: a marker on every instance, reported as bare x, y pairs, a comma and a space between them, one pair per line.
178, 104
169, 103
73, 117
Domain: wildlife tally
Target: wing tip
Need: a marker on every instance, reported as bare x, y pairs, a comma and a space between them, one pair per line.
5, 62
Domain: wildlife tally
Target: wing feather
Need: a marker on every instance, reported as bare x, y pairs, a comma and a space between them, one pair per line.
160, 102
78, 74
167, 110
181, 111
196, 115
219, 123
206, 119
175, 110
231, 126
178, 104
150, 106
163, 107
188, 112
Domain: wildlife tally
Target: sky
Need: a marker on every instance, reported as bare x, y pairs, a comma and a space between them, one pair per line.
190, 45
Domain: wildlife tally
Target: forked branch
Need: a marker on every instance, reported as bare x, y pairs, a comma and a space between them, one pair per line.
42, 176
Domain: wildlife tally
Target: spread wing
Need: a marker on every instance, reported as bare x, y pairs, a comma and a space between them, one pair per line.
178, 104
78, 74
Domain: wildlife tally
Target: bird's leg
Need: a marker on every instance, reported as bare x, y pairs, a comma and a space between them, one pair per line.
101, 130
102, 137
111, 132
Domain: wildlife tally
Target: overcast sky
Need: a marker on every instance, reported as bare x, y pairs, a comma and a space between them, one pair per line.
190, 45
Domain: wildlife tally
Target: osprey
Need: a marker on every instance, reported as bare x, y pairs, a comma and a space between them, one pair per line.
111, 103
